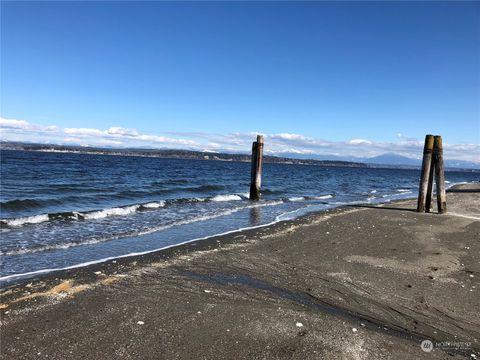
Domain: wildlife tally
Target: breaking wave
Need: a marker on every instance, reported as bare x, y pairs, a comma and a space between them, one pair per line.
203, 217
114, 211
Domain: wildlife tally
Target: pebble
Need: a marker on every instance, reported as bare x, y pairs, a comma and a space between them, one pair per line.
140, 322
471, 275
354, 330
207, 291
298, 324
97, 272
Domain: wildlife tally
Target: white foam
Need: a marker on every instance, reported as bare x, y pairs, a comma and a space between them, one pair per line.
373, 191
231, 197
323, 197
154, 205
27, 220
55, 247
404, 190
245, 195
455, 183
117, 211
296, 198
139, 233
45, 271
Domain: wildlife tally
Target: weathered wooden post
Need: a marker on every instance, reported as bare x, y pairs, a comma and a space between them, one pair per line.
256, 176
426, 164
439, 175
428, 200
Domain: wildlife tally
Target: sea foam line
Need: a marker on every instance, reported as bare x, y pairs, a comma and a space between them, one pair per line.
9, 278
323, 197
138, 233
113, 211
36, 219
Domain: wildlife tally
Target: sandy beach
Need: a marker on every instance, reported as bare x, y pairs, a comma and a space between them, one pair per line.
359, 282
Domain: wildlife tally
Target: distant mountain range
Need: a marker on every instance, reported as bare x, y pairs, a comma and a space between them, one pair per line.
389, 160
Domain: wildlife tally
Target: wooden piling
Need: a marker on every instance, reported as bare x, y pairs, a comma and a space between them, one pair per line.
439, 175
426, 164
428, 199
256, 174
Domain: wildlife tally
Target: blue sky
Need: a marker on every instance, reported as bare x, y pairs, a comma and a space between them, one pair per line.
317, 77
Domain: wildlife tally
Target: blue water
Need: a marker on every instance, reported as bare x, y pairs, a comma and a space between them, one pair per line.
59, 210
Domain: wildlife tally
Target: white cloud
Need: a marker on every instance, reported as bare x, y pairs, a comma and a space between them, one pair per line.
359, 141
164, 139
13, 123
287, 136
83, 131
20, 130
122, 131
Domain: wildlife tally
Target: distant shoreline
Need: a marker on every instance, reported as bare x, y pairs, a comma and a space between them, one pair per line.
171, 154
198, 155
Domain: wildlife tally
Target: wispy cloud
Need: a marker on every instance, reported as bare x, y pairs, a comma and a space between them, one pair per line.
281, 143
14, 124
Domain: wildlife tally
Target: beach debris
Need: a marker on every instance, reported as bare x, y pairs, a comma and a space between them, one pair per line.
207, 291
299, 324
354, 330
140, 323
473, 356
362, 324
471, 275
98, 273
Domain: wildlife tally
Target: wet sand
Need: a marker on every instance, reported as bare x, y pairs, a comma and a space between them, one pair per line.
361, 282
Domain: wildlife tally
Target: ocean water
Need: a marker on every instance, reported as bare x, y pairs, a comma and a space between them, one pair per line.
62, 210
